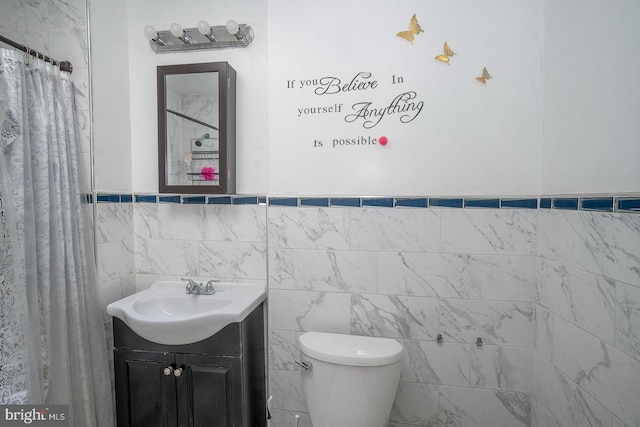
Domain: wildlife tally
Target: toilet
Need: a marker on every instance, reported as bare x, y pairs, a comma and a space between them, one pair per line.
349, 380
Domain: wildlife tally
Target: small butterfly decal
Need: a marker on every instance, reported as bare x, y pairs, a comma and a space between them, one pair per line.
446, 55
484, 77
414, 30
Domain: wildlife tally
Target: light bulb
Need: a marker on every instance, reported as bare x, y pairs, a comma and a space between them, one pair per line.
204, 28
150, 32
176, 30
232, 27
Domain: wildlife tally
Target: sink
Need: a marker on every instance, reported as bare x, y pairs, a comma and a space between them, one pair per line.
166, 314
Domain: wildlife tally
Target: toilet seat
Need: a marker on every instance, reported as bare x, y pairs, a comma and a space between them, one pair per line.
352, 350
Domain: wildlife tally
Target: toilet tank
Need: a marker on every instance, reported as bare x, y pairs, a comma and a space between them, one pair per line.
352, 350
353, 380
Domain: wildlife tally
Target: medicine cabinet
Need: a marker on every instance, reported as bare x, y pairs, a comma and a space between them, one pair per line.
197, 128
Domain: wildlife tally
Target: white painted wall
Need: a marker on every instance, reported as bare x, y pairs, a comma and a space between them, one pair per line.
250, 64
591, 97
559, 116
469, 139
111, 113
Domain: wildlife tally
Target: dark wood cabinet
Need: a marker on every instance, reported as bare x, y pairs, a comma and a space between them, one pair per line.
217, 382
197, 128
140, 383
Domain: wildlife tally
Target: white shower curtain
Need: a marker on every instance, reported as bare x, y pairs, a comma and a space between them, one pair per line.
52, 339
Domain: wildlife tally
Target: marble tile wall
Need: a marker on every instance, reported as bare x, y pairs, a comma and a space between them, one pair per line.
199, 241
411, 274
554, 295
115, 251
173, 241
115, 258
587, 344
57, 28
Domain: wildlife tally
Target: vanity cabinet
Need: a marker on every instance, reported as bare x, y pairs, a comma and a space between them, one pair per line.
217, 382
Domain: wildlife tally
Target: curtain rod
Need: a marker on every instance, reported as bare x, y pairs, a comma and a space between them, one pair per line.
184, 116
64, 65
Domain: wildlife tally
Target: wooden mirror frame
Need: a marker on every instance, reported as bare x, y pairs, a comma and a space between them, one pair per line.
226, 123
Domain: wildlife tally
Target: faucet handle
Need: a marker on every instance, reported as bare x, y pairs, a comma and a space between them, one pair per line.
192, 286
209, 289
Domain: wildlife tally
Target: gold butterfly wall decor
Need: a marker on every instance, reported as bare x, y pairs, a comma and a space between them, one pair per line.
484, 77
447, 53
414, 30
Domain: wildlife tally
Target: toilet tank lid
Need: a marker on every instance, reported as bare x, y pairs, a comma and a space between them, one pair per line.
351, 350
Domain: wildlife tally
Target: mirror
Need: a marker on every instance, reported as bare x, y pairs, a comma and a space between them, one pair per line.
196, 128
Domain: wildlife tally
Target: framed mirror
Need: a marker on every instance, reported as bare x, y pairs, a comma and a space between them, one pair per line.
197, 128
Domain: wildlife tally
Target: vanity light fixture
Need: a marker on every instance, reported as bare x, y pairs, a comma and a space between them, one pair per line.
204, 36
154, 36
205, 29
177, 31
234, 28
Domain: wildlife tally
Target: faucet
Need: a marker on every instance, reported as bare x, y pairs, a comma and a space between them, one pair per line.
195, 288
209, 289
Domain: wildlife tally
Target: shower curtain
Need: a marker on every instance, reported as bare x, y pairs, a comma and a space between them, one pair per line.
52, 339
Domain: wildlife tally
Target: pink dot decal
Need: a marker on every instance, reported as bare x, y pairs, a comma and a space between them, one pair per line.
383, 140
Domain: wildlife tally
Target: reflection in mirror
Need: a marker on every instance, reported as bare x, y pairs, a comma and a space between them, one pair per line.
193, 149
196, 117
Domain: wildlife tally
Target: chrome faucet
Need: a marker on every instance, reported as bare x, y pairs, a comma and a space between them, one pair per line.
208, 288
196, 288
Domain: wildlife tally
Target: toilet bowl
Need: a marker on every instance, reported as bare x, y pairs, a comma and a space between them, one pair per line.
348, 380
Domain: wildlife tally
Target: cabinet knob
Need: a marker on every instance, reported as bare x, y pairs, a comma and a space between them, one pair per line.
167, 371
177, 372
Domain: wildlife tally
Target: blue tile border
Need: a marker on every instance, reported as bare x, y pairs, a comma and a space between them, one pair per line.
245, 200
145, 198
628, 204
443, 202
194, 200
322, 202
283, 201
519, 203
168, 199
219, 200
108, 198
378, 202
545, 203
348, 202
412, 202
599, 203
482, 203
566, 203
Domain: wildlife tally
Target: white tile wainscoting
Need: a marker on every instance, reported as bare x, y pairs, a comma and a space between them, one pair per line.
554, 294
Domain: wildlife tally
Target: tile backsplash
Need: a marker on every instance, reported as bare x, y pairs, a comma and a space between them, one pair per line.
627, 204
550, 285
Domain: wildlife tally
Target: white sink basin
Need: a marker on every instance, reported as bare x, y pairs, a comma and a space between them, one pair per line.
166, 314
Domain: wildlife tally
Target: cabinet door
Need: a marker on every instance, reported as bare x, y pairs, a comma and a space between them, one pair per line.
209, 391
145, 393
